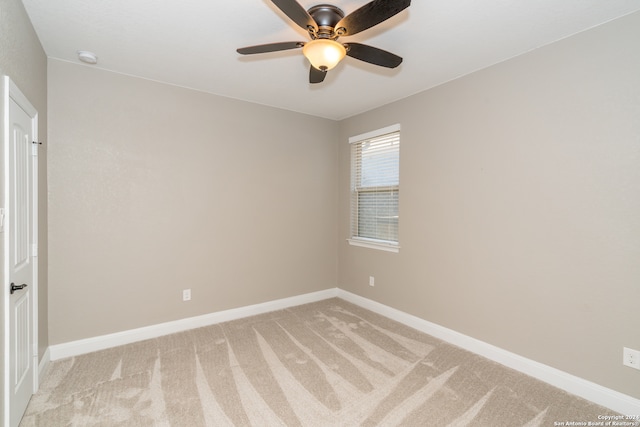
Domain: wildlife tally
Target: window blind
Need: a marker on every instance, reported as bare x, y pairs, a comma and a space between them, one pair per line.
375, 187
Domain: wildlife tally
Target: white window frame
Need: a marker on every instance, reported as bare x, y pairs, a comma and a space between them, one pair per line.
355, 240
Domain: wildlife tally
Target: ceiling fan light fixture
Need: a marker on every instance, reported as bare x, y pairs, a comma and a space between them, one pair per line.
324, 54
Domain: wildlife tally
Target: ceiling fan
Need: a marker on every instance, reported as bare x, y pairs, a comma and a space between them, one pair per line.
325, 23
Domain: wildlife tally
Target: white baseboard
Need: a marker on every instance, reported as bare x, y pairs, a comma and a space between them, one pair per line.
588, 390
88, 345
593, 392
43, 366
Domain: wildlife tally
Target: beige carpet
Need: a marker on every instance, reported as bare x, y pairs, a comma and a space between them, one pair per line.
329, 363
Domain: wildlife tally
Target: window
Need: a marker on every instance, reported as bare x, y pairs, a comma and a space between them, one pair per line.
375, 188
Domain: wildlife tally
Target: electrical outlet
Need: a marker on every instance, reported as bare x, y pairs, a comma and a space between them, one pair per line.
372, 281
186, 295
631, 357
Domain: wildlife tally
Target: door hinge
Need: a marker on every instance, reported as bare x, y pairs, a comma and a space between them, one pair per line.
34, 250
34, 148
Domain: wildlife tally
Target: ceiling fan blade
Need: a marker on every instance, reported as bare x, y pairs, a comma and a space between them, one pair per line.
373, 55
316, 76
296, 13
369, 15
271, 47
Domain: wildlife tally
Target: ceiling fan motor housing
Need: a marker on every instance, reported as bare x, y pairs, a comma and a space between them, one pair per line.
326, 16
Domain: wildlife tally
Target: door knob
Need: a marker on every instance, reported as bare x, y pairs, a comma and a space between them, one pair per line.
15, 287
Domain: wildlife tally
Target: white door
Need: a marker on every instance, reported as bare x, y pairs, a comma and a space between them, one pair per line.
21, 237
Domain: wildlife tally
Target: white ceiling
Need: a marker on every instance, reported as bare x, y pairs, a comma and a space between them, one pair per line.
192, 43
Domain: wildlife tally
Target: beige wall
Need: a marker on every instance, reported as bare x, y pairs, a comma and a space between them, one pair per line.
155, 188
23, 60
520, 206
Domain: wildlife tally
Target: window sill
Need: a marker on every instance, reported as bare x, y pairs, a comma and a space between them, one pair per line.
374, 244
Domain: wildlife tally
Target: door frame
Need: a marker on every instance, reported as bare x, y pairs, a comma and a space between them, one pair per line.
11, 92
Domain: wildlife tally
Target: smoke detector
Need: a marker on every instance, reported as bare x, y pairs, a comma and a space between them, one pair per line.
87, 57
